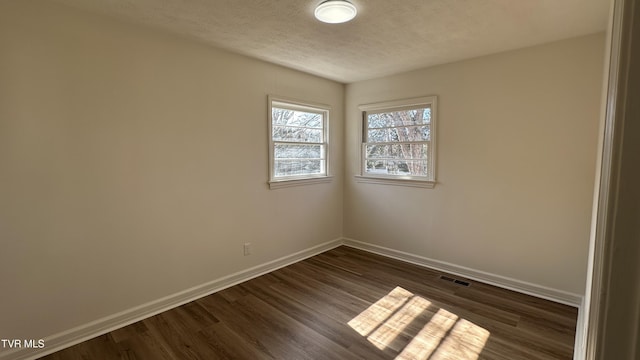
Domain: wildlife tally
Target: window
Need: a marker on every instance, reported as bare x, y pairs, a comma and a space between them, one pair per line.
298, 143
398, 142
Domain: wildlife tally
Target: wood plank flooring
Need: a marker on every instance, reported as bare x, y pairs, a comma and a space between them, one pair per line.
347, 304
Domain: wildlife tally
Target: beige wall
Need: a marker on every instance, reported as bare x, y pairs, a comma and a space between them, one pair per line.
133, 165
117, 185
517, 135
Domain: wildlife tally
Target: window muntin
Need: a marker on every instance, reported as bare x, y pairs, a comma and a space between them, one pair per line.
298, 140
398, 140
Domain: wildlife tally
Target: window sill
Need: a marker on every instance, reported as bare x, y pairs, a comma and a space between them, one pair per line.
395, 181
277, 184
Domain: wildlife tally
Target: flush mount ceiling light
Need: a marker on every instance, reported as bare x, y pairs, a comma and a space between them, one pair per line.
335, 11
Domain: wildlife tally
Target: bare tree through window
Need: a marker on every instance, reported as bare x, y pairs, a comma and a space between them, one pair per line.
397, 142
298, 137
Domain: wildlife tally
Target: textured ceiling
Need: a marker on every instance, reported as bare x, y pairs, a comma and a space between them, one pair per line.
387, 36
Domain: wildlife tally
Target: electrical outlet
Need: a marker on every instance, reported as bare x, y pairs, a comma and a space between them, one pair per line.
247, 249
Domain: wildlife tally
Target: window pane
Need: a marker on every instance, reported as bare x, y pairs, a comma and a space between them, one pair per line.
296, 134
397, 151
298, 167
400, 134
383, 135
285, 151
397, 167
399, 118
296, 118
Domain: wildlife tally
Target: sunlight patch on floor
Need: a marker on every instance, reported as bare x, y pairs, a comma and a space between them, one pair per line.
432, 334
394, 325
380, 311
465, 341
412, 326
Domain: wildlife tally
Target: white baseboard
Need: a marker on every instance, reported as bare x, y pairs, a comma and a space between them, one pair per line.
102, 326
543, 292
539, 291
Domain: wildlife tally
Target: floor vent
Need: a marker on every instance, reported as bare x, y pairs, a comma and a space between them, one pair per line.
456, 281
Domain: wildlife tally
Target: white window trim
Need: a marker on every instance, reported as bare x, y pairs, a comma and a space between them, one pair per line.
299, 182
277, 183
412, 181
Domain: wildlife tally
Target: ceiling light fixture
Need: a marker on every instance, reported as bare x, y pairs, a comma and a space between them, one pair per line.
335, 11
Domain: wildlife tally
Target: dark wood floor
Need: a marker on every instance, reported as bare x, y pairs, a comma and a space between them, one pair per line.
347, 304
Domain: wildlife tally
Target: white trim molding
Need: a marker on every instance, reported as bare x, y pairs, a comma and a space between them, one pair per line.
104, 325
613, 299
524, 287
429, 180
278, 184
580, 337
395, 181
